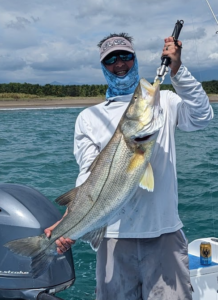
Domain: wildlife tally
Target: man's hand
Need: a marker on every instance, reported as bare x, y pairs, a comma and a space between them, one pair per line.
174, 52
63, 244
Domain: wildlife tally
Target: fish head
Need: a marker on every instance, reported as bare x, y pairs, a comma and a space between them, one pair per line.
144, 116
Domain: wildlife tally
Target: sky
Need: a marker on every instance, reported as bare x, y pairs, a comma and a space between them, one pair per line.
46, 41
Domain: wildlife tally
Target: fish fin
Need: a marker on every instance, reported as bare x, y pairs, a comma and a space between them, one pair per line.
29, 247
136, 161
67, 198
95, 237
32, 247
147, 181
40, 264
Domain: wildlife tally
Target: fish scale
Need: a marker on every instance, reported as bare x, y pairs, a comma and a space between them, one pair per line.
115, 175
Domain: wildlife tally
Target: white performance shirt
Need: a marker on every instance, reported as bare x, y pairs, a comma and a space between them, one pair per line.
147, 214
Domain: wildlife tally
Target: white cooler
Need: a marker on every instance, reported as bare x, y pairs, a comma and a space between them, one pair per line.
204, 279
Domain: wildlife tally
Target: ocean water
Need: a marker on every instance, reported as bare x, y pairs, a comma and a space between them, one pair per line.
36, 149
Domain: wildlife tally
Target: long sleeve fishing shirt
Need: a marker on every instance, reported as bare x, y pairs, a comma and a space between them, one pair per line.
147, 214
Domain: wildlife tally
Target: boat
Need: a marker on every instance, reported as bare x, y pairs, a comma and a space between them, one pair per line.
26, 212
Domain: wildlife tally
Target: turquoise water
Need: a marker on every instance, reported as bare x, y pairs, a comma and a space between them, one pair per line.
36, 149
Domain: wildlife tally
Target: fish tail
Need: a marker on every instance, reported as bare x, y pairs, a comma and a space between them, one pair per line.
34, 248
40, 263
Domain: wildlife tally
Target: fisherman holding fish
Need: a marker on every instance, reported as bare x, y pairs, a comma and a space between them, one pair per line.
143, 254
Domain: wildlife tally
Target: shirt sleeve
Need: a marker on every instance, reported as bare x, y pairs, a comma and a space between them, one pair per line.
85, 149
193, 108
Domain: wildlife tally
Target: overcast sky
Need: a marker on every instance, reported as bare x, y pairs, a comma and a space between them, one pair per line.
42, 41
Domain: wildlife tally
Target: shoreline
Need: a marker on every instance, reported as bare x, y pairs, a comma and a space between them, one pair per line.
55, 102
61, 102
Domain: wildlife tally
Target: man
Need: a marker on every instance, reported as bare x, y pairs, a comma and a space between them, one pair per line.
144, 252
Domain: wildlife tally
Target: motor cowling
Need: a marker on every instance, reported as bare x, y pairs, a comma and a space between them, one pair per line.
25, 212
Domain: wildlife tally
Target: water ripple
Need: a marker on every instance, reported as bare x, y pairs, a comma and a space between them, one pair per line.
36, 149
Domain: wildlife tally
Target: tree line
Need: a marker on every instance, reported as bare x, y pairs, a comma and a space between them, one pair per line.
54, 90
211, 87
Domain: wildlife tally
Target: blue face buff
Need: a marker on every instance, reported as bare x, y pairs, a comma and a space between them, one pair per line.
124, 85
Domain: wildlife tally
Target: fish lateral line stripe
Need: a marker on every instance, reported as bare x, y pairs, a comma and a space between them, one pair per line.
111, 165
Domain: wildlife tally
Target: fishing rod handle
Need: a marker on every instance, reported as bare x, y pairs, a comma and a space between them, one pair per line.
165, 60
177, 29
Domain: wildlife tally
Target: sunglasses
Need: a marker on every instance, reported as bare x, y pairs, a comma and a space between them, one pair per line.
112, 59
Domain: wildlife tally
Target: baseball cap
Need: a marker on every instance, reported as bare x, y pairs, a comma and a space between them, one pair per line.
113, 44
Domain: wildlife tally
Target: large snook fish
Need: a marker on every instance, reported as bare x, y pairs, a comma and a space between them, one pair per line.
116, 173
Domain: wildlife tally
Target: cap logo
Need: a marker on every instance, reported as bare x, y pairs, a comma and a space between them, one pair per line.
113, 43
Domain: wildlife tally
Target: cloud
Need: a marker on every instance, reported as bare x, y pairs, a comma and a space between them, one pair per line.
214, 56
11, 64
198, 33
56, 40
19, 23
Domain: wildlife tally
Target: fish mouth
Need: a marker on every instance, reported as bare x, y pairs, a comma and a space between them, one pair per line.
143, 139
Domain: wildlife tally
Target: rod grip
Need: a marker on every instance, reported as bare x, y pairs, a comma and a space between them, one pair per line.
178, 27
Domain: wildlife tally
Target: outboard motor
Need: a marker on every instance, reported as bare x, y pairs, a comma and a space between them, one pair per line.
25, 212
